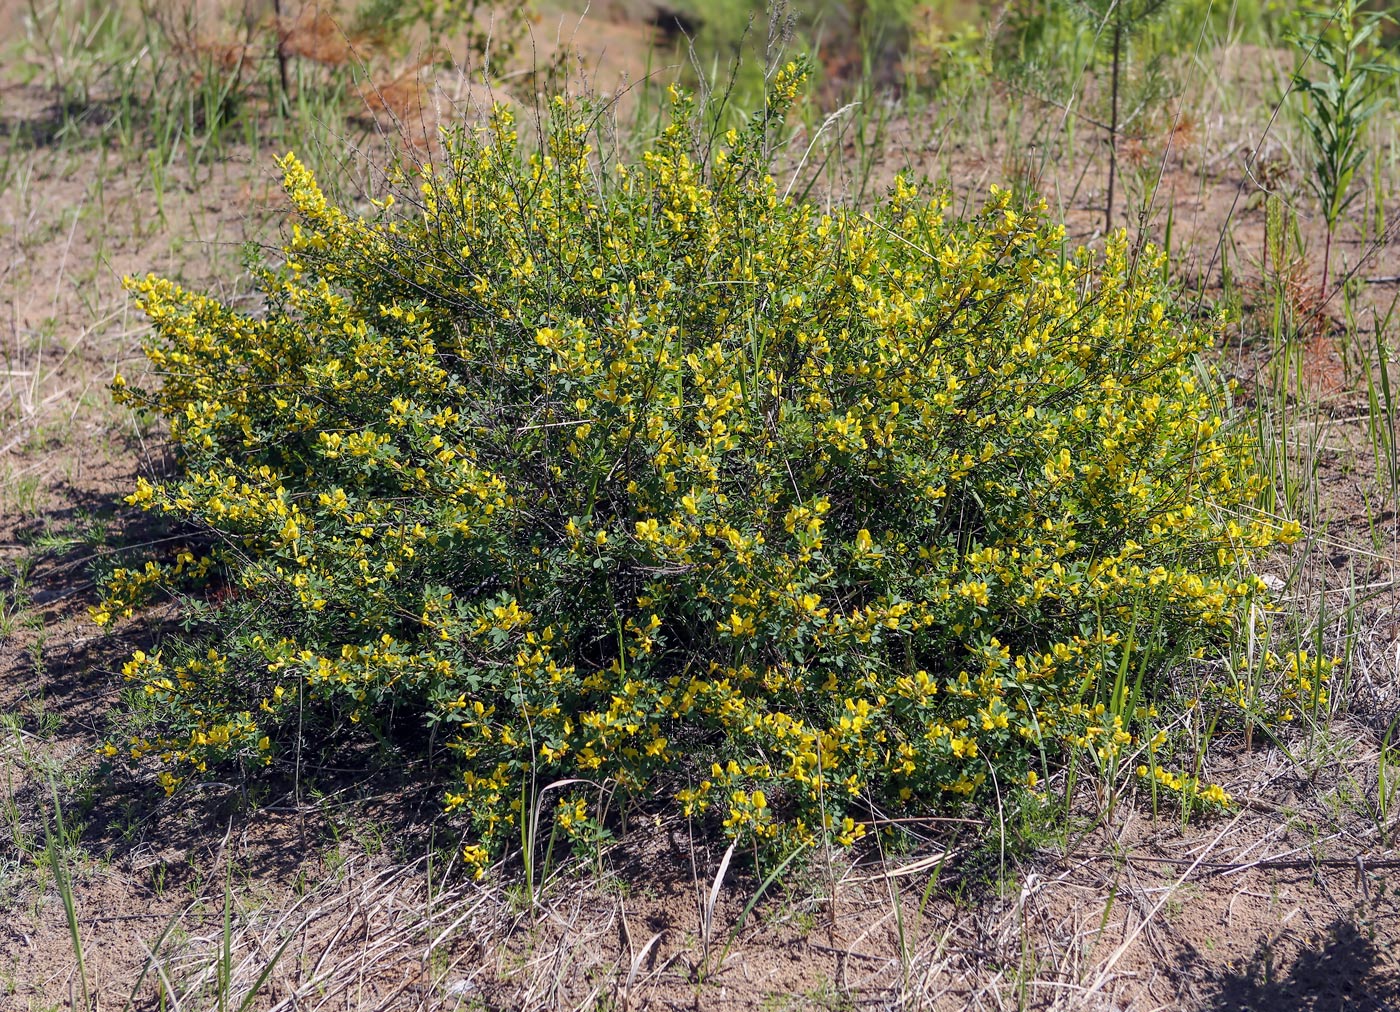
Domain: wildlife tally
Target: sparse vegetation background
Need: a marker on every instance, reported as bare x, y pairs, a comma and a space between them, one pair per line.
510, 506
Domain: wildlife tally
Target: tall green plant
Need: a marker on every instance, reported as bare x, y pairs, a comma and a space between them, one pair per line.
1116, 21
1340, 102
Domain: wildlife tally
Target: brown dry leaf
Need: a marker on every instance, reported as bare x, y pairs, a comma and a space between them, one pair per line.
315, 35
401, 97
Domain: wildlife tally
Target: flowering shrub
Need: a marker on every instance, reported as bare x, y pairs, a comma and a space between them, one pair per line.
647, 476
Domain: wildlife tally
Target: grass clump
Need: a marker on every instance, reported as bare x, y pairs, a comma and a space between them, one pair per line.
641, 479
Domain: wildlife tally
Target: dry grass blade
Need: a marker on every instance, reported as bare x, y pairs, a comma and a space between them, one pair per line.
637, 962
708, 918
923, 864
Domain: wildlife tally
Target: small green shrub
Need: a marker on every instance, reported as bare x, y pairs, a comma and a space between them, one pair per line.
1115, 22
1340, 104
646, 476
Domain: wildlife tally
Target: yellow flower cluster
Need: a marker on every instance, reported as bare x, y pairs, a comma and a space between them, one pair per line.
1273, 689
1189, 790
127, 589
648, 476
